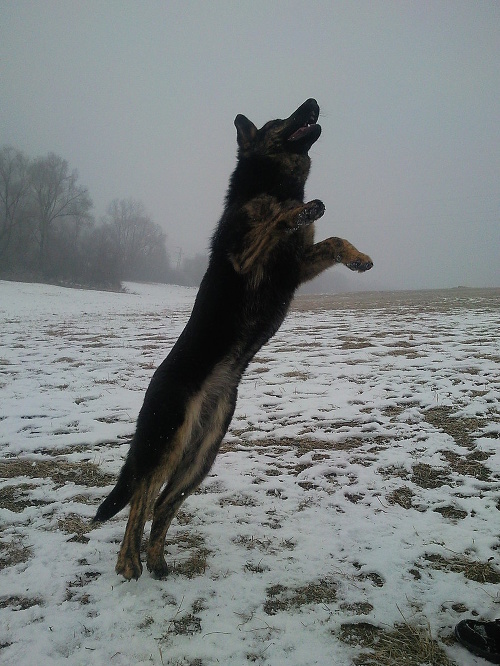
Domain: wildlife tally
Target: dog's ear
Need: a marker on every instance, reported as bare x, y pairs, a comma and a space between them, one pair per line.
245, 131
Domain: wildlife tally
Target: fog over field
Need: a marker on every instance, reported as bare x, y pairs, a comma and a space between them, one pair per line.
141, 98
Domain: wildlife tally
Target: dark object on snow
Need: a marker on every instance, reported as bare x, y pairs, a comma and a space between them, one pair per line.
480, 638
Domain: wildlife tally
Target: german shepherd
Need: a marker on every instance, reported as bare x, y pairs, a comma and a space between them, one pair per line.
262, 250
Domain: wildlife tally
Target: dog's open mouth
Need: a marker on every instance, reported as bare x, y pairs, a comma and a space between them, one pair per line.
304, 123
303, 131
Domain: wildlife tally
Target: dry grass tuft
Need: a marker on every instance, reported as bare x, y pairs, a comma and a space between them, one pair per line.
195, 563
350, 342
74, 590
17, 498
60, 471
405, 645
459, 428
280, 598
14, 552
17, 603
468, 465
452, 512
297, 374
402, 496
187, 625
481, 572
426, 476
75, 525
356, 608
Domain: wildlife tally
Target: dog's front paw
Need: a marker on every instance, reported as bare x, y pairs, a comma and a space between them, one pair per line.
312, 211
361, 263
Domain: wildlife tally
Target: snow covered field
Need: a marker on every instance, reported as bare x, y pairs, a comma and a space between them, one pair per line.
352, 516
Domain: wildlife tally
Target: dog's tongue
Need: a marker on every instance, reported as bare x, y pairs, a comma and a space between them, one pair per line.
302, 131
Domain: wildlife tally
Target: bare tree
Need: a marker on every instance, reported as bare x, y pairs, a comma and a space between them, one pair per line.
14, 193
46, 229
56, 196
139, 241
98, 262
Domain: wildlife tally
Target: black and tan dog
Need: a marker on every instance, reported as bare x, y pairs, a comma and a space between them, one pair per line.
262, 250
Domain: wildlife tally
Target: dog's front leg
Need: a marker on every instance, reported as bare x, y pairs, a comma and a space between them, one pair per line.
326, 253
269, 220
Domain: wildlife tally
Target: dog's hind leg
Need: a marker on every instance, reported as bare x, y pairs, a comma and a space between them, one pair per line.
167, 505
163, 516
191, 470
184, 482
129, 559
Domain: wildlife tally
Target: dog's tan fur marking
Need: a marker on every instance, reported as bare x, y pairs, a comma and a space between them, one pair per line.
202, 429
210, 407
269, 222
129, 561
142, 503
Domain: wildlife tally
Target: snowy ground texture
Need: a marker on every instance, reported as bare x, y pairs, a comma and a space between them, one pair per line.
352, 516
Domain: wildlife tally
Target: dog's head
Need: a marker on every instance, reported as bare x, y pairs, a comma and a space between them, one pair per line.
295, 135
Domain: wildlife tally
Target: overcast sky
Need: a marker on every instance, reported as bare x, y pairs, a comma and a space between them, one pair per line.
140, 98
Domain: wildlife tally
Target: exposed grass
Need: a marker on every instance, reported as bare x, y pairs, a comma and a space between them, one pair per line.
238, 500
267, 546
57, 452
460, 428
425, 476
17, 603
356, 608
351, 342
452, 512
16, 498
13, 552
402, 496
60, 471
403, 645
297, 374
194, 554
280, 598
75, 591
481, 572
75, 525
469, 465
187, 625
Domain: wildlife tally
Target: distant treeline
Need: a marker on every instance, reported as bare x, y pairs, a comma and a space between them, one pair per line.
48, 232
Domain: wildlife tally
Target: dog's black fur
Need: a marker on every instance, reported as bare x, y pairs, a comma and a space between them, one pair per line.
262, 249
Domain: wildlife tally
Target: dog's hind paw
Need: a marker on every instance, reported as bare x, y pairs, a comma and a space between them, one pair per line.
158, 569
129, 568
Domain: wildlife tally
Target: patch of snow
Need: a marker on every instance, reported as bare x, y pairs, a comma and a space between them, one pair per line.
332, 423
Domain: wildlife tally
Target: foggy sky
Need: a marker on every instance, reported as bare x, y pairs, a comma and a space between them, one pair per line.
140, 97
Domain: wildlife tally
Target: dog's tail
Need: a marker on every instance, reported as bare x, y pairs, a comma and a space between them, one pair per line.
119, 497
